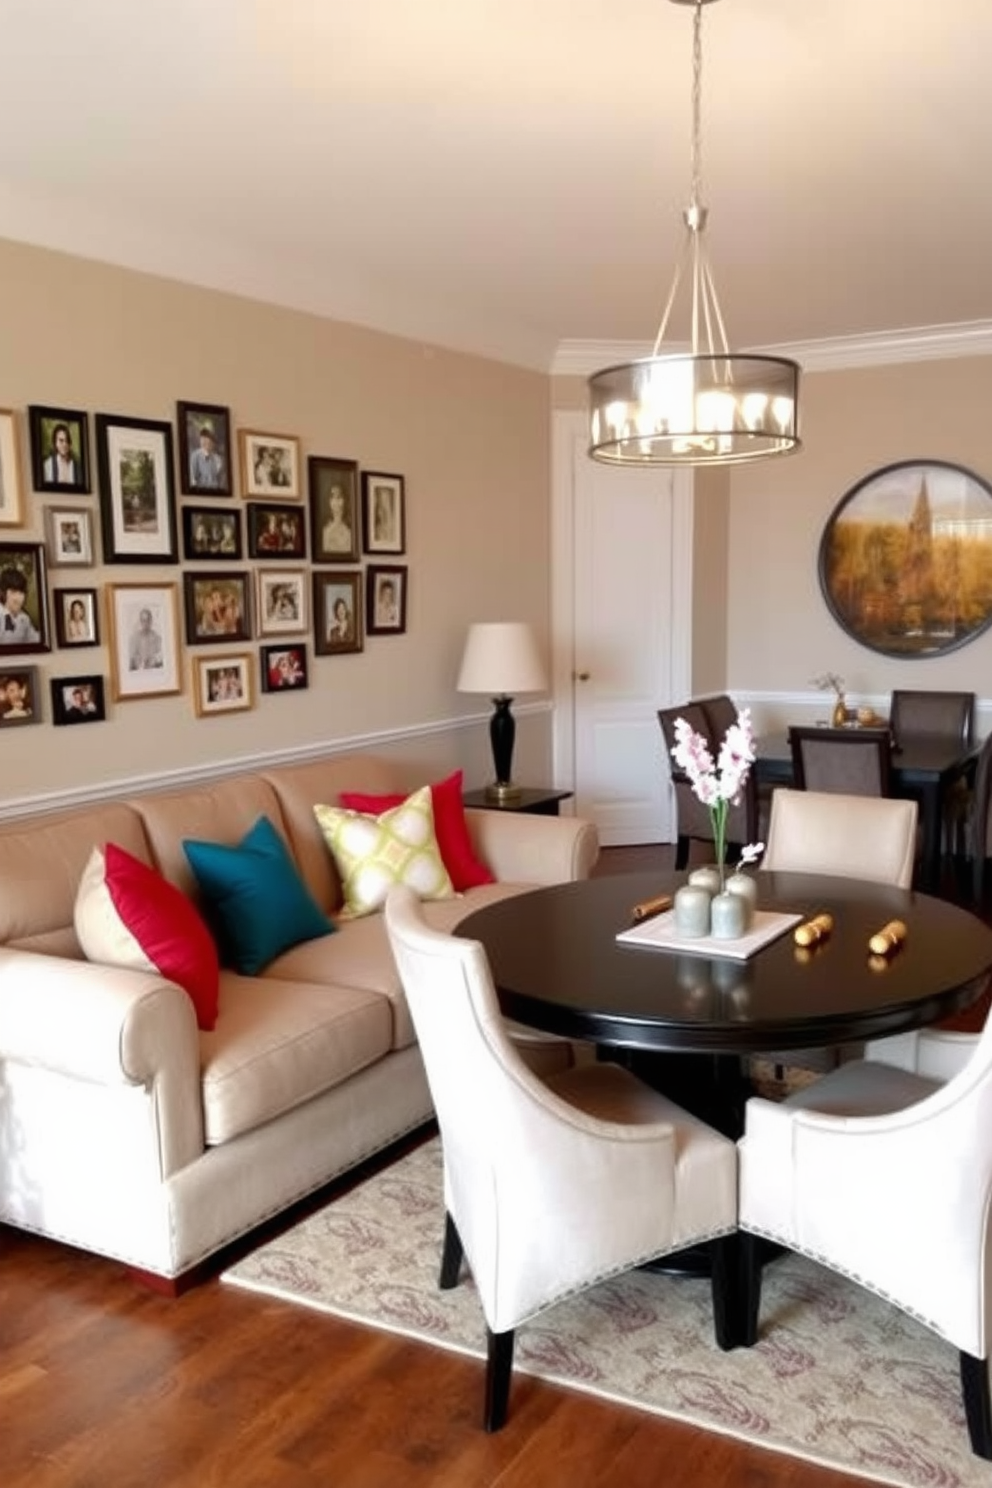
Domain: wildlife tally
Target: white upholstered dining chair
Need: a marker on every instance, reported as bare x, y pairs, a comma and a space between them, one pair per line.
550, 1186
882, 1171
870, 837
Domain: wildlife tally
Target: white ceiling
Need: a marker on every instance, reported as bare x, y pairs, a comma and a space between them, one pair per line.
506, 175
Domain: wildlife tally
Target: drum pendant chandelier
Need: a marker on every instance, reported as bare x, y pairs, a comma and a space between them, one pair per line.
710, 406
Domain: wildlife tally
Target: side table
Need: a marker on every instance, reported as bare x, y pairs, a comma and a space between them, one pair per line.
536, 801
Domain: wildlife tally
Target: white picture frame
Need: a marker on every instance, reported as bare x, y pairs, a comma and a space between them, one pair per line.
143, 626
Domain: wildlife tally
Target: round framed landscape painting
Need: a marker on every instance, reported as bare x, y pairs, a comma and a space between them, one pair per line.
905, 559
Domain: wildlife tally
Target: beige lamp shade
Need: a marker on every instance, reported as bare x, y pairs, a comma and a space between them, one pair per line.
501, 659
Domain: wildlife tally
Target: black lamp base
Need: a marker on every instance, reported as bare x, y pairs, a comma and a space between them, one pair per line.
502, 732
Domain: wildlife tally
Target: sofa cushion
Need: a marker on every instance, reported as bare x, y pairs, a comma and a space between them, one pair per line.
255, 900
127, 914
279, 1043
374, 852
450, 828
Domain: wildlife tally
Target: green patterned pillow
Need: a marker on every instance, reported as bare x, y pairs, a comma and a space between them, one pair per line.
372, 853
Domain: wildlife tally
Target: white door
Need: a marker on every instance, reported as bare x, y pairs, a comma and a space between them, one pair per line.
622, 576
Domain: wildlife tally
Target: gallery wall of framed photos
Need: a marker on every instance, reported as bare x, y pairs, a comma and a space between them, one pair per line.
198, 493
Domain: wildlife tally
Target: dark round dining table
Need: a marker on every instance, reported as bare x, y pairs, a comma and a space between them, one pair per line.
558, 966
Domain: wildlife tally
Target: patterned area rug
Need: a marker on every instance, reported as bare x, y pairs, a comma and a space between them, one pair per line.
839, 1377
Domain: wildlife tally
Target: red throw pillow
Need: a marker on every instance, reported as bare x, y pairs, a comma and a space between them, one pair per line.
126, 914
450, 828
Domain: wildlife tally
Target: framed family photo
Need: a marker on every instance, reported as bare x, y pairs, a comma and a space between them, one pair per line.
386, 600
221, 684
281, 601
276, 531
383, 513
77, 700
76, 617
143, 623
211, 532
20, 701
333, 509
204, 449
284, 668
23, 598
337, 612
270, 465
137, 490
218, 607
11, 484
60, 449
69, 536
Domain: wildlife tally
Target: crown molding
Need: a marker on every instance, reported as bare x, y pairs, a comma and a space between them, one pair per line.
882, 348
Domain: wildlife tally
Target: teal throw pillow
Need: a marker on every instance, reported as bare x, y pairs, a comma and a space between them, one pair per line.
254, 899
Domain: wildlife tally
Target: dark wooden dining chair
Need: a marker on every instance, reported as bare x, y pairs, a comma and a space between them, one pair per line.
934, 714
692, 817
851, 762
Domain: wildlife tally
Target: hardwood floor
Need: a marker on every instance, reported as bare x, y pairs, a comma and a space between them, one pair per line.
104, 1384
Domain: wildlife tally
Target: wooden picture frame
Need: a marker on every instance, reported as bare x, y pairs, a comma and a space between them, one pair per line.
23, 598
281, 601
383, 512
143, 629
11, 473
385, 599
77, 700
334, 516
217, 607
222, 684
69, 537
905, 556
337, 612
278, 532
60, 450
204, 449
212, 533
20, 697
77, 618
137, 490
270, 465
284, 668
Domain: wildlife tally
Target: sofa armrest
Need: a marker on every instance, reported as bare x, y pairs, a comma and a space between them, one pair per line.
107, 1026
520, 848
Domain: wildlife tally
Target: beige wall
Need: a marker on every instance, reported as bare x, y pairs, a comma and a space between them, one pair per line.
470, 436
780, 633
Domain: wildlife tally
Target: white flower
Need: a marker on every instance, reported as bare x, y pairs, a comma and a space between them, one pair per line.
721, 784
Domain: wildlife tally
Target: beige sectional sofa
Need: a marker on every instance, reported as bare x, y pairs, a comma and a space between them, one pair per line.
127, 1131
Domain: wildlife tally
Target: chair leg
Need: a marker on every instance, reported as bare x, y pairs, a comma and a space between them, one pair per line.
451, 1256
681, 853
750, 1287
977, 1404
499, 1364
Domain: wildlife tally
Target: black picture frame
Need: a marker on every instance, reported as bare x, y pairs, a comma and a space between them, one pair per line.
77, 700
43, 425
217, 607
77, 617
212, 534
24, 563
904, 558
284, 667
206, 466
330, 592
386, 598
20, 696
383, 512
333, 533
137, 489
276, 532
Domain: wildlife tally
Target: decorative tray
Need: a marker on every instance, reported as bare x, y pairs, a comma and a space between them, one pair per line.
660, 934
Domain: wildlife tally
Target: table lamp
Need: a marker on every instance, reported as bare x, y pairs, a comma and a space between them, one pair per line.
501, 659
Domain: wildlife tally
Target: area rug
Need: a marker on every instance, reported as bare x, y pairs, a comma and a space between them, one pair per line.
838, 1377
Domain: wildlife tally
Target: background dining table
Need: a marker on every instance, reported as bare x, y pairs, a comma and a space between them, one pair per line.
924, 768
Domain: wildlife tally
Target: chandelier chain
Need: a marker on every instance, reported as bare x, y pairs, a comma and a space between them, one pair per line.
697, 103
